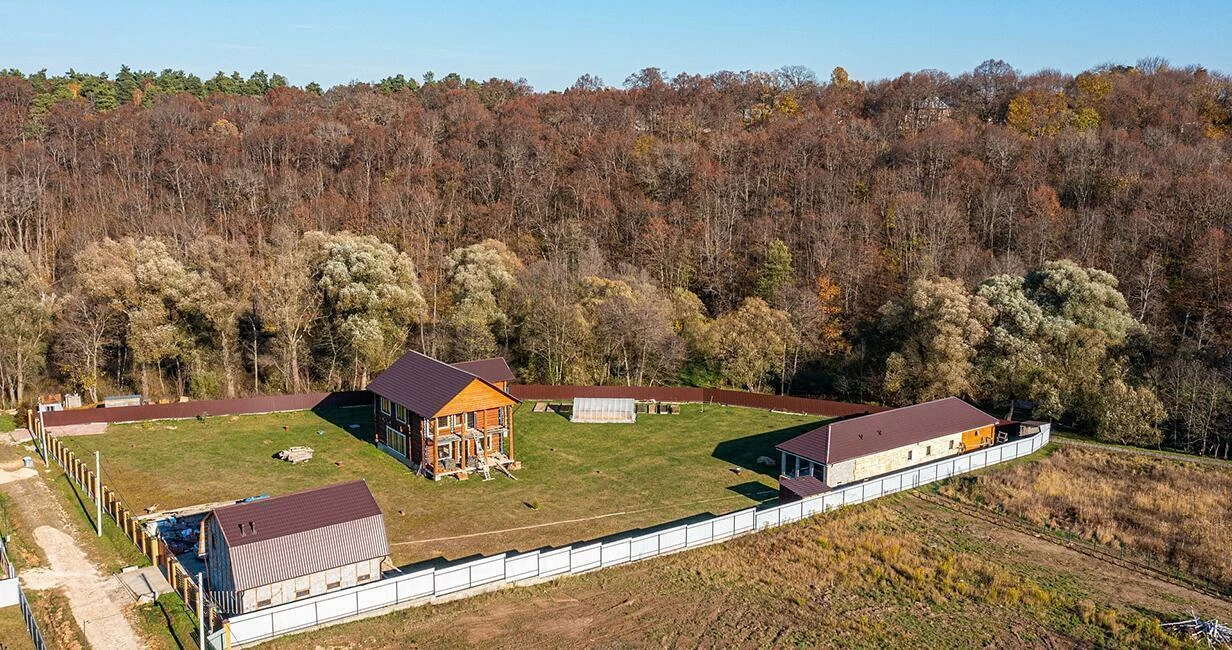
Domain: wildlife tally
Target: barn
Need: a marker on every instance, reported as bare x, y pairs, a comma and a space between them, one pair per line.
273, 551
863, 447
604, 410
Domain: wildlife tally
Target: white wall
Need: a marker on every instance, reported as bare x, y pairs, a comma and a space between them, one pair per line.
425, 583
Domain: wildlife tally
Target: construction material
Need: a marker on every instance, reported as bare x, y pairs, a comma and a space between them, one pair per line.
296, 455
540, 407
1210, 633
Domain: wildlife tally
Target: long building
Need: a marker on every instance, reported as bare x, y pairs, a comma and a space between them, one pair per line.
860, 448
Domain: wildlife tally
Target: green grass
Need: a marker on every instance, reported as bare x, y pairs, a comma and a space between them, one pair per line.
169, 621
113, 551
7, 423
13, 635
662, 468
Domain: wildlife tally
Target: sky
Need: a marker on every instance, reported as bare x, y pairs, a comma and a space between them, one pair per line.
551, 44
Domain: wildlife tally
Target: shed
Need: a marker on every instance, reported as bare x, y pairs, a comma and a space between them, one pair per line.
604, 409
272, 551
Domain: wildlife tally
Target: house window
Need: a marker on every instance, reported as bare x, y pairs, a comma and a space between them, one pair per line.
951, 444
500, 416
333, 578
909, 452
385, 406
444, 450
396, 440
928, 451
401, 413
471, 420
302, 588
364, 577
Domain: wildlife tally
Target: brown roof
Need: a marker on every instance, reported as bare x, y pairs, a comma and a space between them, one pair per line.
804, 486
299, 534
295, 513
847, 439
423, 384
492, 370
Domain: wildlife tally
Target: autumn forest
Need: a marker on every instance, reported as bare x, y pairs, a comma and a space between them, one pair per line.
1055, 240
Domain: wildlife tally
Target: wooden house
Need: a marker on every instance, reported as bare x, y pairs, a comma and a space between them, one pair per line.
853, 450
272, 551
446, 420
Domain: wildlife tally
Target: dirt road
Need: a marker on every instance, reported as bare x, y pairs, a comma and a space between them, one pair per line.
98, 602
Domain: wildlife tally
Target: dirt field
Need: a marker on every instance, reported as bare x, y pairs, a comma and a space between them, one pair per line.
579, 481
1166, 510
896, 573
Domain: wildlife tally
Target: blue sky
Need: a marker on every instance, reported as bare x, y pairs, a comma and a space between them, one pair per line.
552, 43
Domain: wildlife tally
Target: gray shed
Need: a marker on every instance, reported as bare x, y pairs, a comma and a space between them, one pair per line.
604, 409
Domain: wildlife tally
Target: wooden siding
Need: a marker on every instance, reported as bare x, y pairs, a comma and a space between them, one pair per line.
477, 396
976, 438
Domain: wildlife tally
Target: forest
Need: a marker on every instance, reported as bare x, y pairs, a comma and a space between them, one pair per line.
1054, 240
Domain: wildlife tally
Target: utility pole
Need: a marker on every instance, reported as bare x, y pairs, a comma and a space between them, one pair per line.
98, 492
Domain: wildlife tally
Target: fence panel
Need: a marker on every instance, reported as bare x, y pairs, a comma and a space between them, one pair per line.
585, 558
554, 562
379, 595
519, 567
614, 553
415, 585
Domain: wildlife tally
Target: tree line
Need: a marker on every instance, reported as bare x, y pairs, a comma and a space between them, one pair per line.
1050, 238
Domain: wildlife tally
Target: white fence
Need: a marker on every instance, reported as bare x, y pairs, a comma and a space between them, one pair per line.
419, 586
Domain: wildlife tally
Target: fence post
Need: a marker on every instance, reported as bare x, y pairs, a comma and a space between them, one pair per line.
200, 612
98, 491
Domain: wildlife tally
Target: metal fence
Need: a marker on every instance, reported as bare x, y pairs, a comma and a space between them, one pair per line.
10, 586
701, 395
422, 584
200, 408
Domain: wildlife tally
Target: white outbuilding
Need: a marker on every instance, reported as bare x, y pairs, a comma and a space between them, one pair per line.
604, 409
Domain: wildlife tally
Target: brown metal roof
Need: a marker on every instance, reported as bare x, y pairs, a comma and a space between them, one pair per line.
804, 486
302, 533
423, 384
295, 513
491, 370
847, 439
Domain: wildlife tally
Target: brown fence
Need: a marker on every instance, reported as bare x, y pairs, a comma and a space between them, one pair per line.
152, 546
703, 395
184, 410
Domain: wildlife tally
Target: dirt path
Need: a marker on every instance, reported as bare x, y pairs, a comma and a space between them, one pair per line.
97, 601
1166, 455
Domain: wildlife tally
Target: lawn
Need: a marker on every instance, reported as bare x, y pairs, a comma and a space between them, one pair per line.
579, 481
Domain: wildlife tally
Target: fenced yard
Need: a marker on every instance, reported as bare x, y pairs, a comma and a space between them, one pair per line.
578, 481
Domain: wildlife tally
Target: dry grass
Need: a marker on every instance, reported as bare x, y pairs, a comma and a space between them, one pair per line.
874, 576
1171, 511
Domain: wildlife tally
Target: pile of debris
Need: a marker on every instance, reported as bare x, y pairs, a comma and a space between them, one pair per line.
296, 455
1210, 633
180, 533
